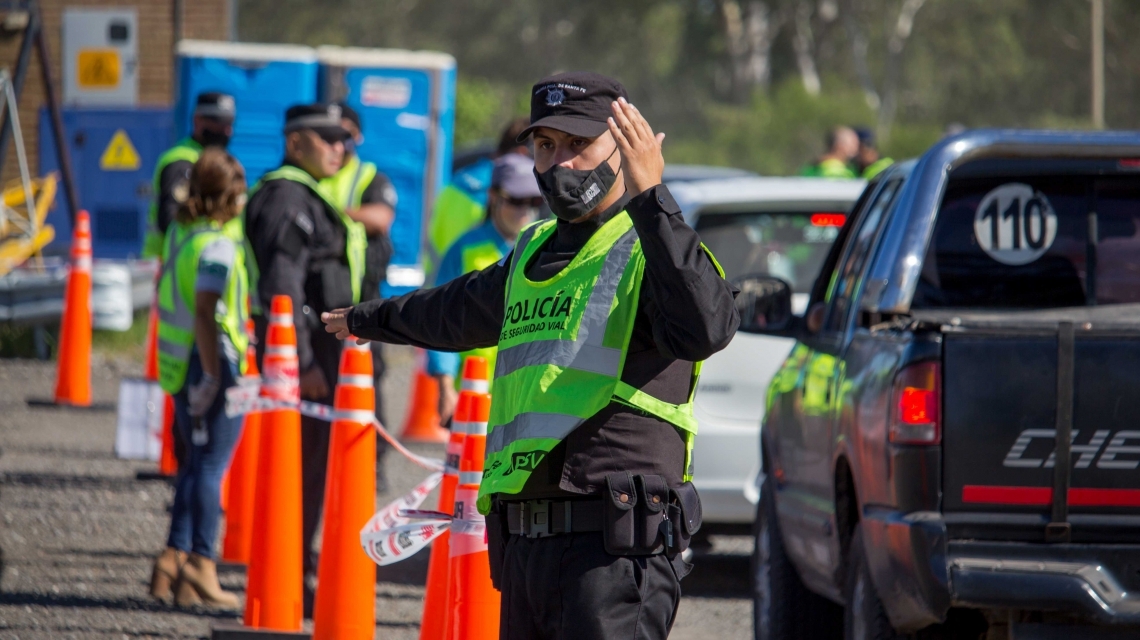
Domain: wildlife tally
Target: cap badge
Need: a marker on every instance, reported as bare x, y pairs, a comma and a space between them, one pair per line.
555, 97
334, 112
226, 103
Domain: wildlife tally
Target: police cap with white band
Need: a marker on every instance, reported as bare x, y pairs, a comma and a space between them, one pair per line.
322, 118
216, 106
577, 103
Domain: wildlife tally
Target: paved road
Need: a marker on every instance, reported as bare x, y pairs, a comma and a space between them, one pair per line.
79, 530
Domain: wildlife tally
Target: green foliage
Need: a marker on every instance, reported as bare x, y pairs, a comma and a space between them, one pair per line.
481, 108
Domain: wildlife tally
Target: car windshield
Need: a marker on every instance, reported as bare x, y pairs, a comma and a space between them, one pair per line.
790, 246
1034, 242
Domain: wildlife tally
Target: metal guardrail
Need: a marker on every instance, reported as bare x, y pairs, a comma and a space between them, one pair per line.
35, 297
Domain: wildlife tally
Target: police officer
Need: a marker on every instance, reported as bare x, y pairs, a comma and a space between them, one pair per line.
601, 318
308, 249
512, 203
869, 162
842, 146
368, 197
460, 206
214, 115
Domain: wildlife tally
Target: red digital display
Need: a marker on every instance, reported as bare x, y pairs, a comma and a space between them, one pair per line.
828, 219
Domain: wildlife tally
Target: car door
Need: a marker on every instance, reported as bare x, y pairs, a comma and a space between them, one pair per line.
809, 489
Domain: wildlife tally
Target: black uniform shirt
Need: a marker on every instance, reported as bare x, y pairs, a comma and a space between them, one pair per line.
685, 314
299, 245
173, 189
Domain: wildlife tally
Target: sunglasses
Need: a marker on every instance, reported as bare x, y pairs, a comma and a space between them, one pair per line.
330, 137
524, 202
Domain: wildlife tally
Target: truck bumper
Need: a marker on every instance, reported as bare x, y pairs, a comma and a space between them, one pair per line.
919, 573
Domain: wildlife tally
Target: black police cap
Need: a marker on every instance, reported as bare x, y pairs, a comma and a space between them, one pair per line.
350, 114
322, 118
577, 103
215, 105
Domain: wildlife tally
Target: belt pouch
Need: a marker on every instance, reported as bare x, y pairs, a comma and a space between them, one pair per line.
652, 500
497, 543
619, 533
685, 512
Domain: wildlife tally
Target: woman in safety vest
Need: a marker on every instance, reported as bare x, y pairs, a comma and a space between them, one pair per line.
202, 345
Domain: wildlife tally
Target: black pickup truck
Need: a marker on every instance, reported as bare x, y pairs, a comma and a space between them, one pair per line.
951, 449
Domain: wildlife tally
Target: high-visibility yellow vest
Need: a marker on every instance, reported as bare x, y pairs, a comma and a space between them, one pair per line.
562, 350
476, 257
176, 291
356, 240
346, 187
186, 149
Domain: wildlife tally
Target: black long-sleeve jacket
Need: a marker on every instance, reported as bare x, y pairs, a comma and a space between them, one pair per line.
685, 314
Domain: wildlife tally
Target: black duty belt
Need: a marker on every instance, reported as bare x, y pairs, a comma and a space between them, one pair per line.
541, 518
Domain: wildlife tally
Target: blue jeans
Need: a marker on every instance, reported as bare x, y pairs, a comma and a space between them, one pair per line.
197, 497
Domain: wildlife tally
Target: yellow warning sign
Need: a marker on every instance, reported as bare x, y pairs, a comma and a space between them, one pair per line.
99, 69
120, 154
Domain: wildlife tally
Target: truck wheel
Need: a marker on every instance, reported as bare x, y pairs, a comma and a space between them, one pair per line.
783, 608
865, 617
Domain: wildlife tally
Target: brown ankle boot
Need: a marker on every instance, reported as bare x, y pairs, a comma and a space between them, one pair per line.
198, 583
165, 572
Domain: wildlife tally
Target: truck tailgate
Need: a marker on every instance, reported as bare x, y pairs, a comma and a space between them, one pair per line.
1000, 407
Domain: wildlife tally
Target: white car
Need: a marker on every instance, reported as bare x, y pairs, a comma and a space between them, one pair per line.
779, 226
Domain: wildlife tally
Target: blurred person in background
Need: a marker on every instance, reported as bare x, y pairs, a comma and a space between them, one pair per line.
513, 202
368, 197
842, 146
213, 126
202, 346
869, 162
460, 205
307, 248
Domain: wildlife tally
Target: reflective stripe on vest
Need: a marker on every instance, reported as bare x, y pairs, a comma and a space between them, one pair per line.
547, 385
186, 150
355, 238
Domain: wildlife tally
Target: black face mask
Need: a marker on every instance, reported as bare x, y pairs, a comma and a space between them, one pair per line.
572, 193
213, 139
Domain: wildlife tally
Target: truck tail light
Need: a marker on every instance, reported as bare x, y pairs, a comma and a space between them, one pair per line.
916, 416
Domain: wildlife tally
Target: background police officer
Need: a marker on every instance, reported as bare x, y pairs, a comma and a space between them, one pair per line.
307, 249
512, 203
368, 197
213, 125
616, 428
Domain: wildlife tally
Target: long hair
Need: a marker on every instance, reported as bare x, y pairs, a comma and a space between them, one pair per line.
217, 188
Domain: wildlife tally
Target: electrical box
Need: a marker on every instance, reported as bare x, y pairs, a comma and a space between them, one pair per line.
264, 79
100, 57
406, 102
113, 154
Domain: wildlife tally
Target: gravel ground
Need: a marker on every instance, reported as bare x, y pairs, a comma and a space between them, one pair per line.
79, 531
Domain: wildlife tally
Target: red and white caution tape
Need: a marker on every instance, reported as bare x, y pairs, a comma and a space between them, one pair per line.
390, 536
243, 399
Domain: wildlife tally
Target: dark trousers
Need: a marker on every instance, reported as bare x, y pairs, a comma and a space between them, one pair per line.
315, 436
567, 587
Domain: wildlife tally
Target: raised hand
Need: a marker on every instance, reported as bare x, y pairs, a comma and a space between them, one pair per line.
640, 149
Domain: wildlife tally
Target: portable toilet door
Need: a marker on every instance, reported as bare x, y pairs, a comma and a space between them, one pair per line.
406, 101
264, 79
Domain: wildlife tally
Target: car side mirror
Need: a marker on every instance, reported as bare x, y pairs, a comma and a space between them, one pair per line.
765, 305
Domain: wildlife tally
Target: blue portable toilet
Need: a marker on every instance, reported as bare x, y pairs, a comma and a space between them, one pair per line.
265, 80
406, 101
113, 153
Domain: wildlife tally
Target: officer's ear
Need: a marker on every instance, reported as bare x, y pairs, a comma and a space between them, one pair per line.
293, 144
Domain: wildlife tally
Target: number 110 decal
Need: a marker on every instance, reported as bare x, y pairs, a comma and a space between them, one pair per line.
1014, 224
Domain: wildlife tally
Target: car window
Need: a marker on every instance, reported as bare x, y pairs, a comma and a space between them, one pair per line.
848, 277
790, 246
1034, 242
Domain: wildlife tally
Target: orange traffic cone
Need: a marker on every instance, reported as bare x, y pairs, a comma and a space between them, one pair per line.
345, 605
475, 609
433, 623
167, 461
422, 424
73, 367
273, 595
475, 376
243, 483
